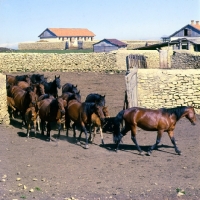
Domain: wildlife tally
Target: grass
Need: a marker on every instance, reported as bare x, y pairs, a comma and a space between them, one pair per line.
50, 51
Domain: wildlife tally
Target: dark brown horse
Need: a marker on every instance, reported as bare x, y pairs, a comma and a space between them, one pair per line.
51, 110
52, 87
96, 98
161, 120
80, 114
68, 87
23, 99
12, 80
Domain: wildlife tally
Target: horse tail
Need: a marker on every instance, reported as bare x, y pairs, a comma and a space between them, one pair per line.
116, 127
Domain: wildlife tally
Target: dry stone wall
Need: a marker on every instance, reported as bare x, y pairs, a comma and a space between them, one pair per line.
42, 46
4, 116
169, 88
185, 60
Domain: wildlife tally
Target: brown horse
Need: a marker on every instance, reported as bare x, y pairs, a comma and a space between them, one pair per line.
161, 120
37, 87
97, 123
31, 118
80, 114
51, 110
23, 99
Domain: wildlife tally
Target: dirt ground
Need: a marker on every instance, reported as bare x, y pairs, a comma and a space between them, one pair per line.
65, 170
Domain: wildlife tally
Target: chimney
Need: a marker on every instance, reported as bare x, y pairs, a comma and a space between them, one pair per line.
197, 22
192, 22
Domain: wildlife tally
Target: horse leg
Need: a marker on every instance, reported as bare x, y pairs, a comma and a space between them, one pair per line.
42, 126
171, 136
91, 138
38, 123
74, 129
59, 128
158, 139
34, 125
28, 129
101, 134
48, 131
123, 132
86, 134
133, 137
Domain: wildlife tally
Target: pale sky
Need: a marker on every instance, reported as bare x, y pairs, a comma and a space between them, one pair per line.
25, 20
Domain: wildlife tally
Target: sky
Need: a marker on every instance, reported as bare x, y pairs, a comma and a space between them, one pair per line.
25, 20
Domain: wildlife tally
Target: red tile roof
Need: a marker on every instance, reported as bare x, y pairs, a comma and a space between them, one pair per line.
74, 32
197, 26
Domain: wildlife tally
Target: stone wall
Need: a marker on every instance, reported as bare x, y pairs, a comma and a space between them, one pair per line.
169, 88
4, 116
42, 46
185, 60
35, 62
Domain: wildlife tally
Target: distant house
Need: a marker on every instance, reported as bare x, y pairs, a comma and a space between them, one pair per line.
71, 35
187, 38
107, 45
187, 35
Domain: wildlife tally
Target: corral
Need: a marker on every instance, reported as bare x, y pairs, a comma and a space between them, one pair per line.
63, 169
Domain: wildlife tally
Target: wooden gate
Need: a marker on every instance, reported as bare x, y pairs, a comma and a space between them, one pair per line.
133, 62
163, 54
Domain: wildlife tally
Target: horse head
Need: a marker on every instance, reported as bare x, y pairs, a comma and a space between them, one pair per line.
61, 105
105, 111
32, 95
57, 81
28, 79
99, 112
190, 114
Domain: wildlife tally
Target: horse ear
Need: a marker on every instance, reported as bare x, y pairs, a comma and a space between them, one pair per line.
76, 86
59, 76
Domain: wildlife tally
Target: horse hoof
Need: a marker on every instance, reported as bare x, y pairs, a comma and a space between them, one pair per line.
102, 142
179, 153
86, 146
78, 143
148, 153
141, 153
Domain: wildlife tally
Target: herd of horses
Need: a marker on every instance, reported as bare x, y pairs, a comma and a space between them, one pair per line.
38, 102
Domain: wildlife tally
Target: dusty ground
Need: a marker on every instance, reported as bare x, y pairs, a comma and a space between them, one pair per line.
59, 170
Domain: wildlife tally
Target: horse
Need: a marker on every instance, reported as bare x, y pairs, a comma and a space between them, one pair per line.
37, 78
69, 96
51, 87
80, 114
37, 87
23, 99
31, 117
12, 80
160, 120
97, 123
68, 87
51, 110
97, 98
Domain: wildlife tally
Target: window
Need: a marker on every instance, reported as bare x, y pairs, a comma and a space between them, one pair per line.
187, 32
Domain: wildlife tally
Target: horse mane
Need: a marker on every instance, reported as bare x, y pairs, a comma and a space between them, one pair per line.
178, 111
